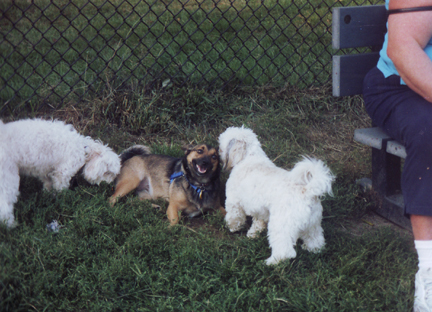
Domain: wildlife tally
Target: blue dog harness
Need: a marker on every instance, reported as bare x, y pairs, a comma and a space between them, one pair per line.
179, 174
176, 175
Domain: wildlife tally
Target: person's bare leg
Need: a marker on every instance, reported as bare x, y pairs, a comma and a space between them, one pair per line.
422, 227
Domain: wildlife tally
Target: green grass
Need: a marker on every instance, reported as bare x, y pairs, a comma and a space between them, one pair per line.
69, 49
126, 258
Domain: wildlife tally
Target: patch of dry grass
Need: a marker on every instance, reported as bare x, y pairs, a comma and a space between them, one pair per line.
289, 122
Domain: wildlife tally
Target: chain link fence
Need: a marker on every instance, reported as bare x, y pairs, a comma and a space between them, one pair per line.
52, 52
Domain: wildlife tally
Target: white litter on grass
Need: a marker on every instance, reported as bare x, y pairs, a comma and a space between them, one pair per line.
54, 226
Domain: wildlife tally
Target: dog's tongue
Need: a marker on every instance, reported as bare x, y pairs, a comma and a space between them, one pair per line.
201, 169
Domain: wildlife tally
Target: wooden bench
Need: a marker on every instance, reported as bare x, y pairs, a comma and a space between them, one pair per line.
359, 27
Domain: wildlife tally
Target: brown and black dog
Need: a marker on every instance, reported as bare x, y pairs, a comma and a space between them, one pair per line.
191, 184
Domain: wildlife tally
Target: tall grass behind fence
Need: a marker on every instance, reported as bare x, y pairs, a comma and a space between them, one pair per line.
68, 50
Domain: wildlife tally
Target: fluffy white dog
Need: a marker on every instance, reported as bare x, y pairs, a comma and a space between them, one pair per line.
51, 151
288, 202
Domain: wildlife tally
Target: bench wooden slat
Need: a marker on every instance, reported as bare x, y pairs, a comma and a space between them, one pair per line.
349, 71
361, 26
372, 137
396, 148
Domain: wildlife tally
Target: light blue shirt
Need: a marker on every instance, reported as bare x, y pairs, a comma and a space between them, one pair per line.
385, 64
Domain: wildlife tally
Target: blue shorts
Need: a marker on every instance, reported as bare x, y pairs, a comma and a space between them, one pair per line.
407, 117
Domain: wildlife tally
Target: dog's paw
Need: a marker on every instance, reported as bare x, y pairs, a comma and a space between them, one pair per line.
281, 255
155, 206
252, 235
273, 260
233, 225
257, 227
233, 229
314, 249
9, 223
313, 243
112, 201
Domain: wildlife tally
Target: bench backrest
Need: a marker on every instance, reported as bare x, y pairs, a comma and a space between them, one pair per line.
354, 27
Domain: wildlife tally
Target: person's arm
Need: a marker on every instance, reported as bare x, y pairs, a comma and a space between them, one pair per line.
408, 34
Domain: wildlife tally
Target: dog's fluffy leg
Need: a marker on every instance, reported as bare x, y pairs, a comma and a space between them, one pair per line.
235, 217
47, 183
6, 213
60, 180
9, 191
172, 213
257, 227
282, 238
124, 187
313, 238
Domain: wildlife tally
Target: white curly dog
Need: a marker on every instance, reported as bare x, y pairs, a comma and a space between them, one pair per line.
51, 151
288, 202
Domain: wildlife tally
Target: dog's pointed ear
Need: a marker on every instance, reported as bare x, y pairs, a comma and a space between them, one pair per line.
236, 151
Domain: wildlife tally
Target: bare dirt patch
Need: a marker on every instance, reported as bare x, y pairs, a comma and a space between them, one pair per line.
371, 221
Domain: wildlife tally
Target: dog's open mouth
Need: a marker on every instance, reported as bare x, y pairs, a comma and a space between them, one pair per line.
201, 169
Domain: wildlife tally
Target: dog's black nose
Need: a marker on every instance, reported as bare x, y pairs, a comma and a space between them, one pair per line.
204, 161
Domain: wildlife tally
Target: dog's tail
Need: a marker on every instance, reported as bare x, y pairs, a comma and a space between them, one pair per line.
136, 150
314, 175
